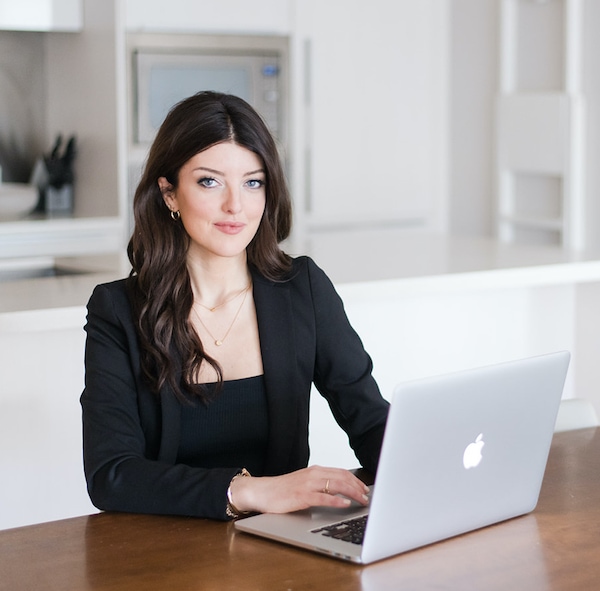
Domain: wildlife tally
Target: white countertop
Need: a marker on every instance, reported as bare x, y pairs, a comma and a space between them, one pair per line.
416, 260
60, 236
55, 303
400, 261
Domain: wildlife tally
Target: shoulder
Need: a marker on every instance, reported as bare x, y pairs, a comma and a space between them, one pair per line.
111, 297
304, 275
305, 283
304, 268
113, 290
307, 270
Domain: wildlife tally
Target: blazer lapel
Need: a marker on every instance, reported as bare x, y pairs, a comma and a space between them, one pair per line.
282, 382
285, 397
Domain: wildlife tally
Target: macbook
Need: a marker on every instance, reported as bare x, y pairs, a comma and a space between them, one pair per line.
460, 452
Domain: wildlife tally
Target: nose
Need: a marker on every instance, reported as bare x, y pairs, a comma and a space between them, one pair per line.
233, 201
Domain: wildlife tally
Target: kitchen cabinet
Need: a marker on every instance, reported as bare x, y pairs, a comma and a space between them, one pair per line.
370, 123
85, 97
81, 89
54, 237
41, 15
209, 16
367, 101
85, 89
367, 104
40, 417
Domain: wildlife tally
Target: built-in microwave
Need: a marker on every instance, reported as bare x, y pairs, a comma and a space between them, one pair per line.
166, 68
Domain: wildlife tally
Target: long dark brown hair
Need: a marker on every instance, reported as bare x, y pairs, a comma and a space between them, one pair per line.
160, 288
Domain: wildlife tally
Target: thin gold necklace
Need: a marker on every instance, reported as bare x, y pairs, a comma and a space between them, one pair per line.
219, 342
237, 295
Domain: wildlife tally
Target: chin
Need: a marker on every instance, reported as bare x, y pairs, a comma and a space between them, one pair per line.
229, 252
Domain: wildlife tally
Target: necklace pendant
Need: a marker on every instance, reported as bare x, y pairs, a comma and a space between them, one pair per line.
219, 342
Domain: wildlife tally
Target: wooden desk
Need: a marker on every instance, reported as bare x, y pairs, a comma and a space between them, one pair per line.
556, 547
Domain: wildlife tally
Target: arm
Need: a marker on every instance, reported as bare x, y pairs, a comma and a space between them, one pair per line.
343, 373
122, 427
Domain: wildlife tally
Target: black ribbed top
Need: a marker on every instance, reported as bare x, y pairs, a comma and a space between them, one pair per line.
232, 430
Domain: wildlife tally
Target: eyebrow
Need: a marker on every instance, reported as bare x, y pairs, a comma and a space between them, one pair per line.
213, 171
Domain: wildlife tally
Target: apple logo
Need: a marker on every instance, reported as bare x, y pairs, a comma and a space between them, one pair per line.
472, 455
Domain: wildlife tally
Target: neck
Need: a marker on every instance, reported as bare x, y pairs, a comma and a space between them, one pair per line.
215, 281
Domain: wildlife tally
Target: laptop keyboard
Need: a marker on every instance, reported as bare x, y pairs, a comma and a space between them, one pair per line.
351, 530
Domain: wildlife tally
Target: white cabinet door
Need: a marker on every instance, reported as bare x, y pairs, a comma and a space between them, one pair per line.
40, 416
374, 109
41, 15
209, 16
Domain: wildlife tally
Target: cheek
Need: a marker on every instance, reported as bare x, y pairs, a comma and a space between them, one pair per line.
259, 208
197, 208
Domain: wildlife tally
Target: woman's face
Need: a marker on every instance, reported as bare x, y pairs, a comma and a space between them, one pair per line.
221, 197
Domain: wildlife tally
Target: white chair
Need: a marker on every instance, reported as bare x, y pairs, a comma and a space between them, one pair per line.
575, 413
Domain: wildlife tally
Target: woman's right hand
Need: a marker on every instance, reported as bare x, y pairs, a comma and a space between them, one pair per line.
308, 487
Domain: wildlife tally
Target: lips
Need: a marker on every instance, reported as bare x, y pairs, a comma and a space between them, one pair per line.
230, 227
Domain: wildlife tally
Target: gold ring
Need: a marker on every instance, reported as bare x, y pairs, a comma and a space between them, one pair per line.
326, 489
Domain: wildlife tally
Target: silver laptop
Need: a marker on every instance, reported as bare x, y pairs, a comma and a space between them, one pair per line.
460, 452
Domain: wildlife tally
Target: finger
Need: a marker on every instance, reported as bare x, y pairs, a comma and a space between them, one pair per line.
345, 485
351, 492
325, 500
339, 475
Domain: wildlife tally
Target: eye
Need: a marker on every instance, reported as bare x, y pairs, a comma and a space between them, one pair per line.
207, 182
255, 183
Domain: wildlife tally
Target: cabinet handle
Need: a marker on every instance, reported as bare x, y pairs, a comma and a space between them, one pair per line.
307, 51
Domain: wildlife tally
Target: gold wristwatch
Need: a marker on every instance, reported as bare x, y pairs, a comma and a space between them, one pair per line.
232, 511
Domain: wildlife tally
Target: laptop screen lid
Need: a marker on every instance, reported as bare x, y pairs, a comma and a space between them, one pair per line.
460, 451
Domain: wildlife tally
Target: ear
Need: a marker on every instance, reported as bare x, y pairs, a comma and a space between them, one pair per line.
166, 189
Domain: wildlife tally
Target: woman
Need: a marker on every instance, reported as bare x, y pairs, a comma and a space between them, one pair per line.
199, 365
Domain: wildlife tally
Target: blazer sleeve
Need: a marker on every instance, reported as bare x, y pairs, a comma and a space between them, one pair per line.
343, 373
122, 468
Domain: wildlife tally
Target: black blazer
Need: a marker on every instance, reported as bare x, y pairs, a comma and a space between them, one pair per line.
131, 436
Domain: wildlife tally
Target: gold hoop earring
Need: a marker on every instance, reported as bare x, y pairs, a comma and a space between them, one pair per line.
175, 215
